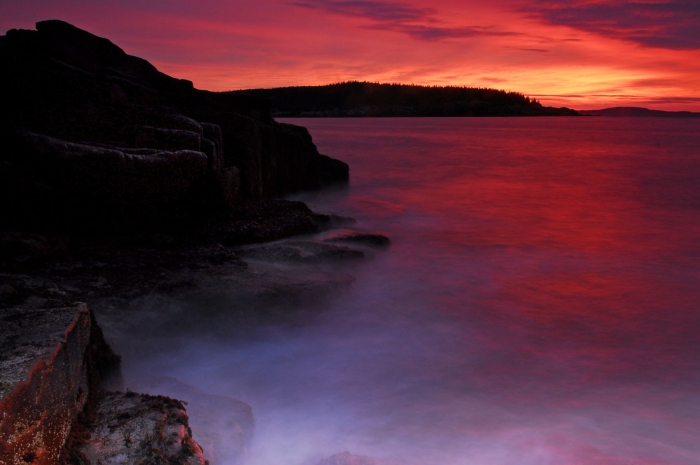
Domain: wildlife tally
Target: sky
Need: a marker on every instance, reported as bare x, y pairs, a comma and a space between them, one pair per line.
583, 54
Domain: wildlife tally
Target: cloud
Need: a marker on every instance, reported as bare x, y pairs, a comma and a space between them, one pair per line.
417, 23
671, 24
538, 50
374, 10
434, 33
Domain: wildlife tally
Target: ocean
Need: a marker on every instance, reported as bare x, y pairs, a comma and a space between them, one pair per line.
539, 304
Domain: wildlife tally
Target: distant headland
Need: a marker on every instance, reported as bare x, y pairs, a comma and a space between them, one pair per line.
357, 99
638, 111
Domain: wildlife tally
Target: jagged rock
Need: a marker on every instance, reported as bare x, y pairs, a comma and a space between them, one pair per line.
53, 360
301, 252
221, 425
139, 429
368, 239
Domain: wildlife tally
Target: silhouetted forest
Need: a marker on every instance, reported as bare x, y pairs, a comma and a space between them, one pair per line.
358, 99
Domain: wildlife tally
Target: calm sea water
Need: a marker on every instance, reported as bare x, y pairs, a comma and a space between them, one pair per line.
540, 303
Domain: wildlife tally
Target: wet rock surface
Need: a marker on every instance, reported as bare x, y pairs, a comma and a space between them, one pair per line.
221, 425
140, 429
300, 251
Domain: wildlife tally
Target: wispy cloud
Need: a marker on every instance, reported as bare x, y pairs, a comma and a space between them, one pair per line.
538, 50
374, 10
417, 23
671, 24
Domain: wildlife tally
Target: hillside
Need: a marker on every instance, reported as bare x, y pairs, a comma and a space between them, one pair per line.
638, 111
357, 99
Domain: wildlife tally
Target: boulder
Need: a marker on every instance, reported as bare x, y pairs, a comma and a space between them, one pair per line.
137, 429
222, 426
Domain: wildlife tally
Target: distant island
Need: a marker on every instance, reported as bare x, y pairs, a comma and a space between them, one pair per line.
638, 111
358, 99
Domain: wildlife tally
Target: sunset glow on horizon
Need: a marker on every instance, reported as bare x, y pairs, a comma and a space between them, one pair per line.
583, 54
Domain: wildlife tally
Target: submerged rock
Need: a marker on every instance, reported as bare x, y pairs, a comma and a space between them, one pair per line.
301, 252
346, 458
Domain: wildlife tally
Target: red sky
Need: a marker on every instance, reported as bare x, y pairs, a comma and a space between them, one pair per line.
579, 53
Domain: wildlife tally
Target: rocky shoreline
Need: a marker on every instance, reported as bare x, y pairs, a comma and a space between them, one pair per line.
121, 182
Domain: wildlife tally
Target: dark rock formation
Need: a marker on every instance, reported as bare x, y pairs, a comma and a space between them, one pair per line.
117, 181
100, 139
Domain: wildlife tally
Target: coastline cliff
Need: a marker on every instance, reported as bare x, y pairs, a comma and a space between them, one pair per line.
117, 181
102, 139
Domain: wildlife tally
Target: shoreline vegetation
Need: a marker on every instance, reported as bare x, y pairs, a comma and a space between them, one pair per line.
369, 99
357, 99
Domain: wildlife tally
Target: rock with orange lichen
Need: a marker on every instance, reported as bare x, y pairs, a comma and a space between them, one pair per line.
139, 429
50, 363
222, 426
